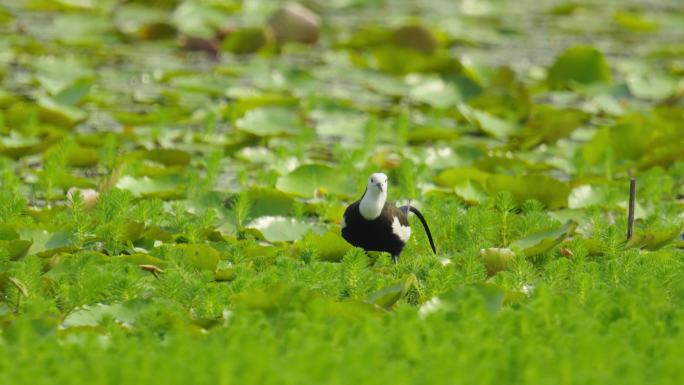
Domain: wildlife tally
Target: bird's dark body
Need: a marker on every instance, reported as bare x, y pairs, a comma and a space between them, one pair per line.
376, 234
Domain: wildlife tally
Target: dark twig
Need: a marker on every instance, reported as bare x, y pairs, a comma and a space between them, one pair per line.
630, 218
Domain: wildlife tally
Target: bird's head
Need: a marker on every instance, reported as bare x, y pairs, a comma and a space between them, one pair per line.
377, 183
374, 198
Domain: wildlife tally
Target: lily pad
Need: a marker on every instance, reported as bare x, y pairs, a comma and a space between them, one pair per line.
168, 157
282, 229
266, 121
245, 40
315, 179
581, 64
491, 125
329, 247
549, 191
51, 111
124, 313
16, 248
542, 242
200, 256
169, 187
387, 297
654, 239
455, 176
496, 259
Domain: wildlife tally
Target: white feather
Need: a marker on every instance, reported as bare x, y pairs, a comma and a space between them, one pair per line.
343, 223
401, 231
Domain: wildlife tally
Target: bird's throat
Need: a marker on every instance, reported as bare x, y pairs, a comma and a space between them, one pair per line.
371, 204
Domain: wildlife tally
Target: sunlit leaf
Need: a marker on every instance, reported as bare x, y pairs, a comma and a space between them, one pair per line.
200, 256
542, 242
654, 239
198, 19
267, 121
55, 113
282, 229
456, 176
579, 64
387, 297
16, 248
471, 191
549, 191
496, 259
169, 188
125, 313
634, 21
245, 41
311, 179
651, 87
415, 37
330, 246
492, 125
168, 157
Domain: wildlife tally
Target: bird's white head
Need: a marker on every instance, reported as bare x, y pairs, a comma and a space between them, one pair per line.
375, 196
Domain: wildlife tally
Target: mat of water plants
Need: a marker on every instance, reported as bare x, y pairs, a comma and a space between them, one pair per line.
173, 174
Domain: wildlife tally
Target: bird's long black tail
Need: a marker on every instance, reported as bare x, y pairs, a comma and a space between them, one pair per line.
414, 210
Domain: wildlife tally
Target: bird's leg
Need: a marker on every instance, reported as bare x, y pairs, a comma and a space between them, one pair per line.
395, 258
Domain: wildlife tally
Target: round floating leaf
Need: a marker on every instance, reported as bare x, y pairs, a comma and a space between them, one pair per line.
415, 37
547, 124
16, 248
200, 256
330, 247
245, 40
168, 157
579, 64
58, 114
471, 191
455, 176
652, 87
80, 156
282, 229
549, 191
312, 179
268, 202
143, 259
490, 124
542, 242
8, 233
496, 259
169, 187
432, 134
18, 146
340, 123
143, 22
126, 312
654, 239
266, 121
436, 93
402, 61
387, 297
636, 22
198, 19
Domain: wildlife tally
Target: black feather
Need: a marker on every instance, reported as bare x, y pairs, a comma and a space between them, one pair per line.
424, 222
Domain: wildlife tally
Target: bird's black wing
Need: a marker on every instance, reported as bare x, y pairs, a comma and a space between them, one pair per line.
391, 211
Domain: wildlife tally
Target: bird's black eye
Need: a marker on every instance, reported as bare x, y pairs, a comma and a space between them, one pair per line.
372, 181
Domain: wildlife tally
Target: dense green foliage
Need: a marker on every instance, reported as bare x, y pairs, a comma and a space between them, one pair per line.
172, 176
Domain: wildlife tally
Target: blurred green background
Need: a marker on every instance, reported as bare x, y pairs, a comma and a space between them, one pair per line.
172, 176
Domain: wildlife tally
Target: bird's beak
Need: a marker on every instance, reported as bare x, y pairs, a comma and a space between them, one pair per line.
379, 186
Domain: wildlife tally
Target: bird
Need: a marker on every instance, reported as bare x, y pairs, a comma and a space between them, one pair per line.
374, 224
